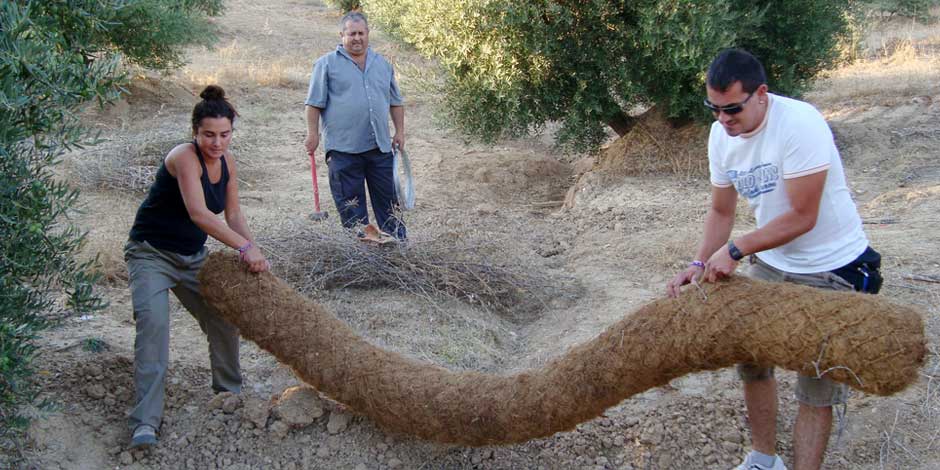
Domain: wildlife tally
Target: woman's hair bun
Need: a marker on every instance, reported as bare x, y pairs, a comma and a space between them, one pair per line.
213, 105
212, 93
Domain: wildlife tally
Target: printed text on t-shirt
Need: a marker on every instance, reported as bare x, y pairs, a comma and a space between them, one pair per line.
756, 181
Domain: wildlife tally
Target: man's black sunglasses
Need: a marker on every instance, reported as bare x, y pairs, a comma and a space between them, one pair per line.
729, 109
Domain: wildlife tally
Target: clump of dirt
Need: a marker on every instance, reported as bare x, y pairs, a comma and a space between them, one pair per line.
541, 178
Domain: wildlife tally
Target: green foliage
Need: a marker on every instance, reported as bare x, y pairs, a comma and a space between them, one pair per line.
43, 76
95, 345
345, 5
810, 29
54, 57
515, 66
150, 33
154, 33
919, 9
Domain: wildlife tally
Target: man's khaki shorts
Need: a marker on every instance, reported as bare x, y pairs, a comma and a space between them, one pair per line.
812, 391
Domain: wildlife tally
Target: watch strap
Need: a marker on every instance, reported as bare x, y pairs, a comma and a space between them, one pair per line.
734, 251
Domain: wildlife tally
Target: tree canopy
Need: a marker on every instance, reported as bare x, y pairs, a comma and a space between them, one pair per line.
514, 66
54, 57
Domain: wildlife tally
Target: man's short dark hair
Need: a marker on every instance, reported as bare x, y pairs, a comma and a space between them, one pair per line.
735, 65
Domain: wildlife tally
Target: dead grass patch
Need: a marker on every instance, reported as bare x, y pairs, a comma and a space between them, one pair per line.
126, 163
107, 221
895, 64
107, 251
447, 332
655, 146
239, 64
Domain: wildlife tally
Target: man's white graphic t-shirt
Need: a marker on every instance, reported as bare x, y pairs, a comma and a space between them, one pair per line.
792, 141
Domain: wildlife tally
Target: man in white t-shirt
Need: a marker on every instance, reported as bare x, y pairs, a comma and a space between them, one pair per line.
779, 154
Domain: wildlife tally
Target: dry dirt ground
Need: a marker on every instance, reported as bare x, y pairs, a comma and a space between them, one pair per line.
623, 233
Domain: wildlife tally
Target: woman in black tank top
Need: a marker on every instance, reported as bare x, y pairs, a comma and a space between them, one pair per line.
197, 181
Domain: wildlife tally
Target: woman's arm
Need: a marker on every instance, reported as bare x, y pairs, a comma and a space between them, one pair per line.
236, 219
185, 164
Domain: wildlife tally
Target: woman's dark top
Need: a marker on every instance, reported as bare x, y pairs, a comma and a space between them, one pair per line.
162, 219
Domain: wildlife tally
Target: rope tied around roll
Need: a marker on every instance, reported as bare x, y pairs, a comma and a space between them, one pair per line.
864, 341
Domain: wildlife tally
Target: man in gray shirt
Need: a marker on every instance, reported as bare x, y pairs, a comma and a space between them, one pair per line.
352, 92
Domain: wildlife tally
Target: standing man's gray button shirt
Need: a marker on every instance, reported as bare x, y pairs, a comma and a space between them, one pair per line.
354, 104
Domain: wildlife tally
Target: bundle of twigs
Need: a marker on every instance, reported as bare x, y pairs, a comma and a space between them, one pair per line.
446, 265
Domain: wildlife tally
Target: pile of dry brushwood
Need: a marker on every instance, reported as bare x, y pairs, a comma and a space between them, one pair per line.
446, 266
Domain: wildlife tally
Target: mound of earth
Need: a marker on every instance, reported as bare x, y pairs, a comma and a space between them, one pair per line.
656, 145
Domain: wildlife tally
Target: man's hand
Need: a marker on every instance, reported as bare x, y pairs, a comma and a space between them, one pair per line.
720, 265
681, 279
398, 140
311, 143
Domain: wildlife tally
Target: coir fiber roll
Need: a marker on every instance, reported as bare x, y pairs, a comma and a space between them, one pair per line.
864, 341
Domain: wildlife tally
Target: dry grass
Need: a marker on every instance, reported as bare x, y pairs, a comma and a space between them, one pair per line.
107, 220
899, 59
912, 438
109, 259
670, 250
654, 146
126, 163
458, 297
446, 332
904, 71
238, 64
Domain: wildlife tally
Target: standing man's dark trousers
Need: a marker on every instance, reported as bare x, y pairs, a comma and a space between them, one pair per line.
349, 174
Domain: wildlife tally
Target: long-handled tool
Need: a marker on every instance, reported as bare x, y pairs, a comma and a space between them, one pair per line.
317, 213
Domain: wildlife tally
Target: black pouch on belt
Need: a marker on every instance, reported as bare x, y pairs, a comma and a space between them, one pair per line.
863, 273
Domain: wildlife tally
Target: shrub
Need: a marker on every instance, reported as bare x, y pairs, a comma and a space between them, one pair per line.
150, 33
514, 66
345, 5
54, 57
40, 84
919, 9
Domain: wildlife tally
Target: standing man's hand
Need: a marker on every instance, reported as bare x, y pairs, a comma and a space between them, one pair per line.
312, 116
311, 143
398, 120
684, 277
720, 265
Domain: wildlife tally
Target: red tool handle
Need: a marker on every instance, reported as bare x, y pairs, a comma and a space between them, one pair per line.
316, 188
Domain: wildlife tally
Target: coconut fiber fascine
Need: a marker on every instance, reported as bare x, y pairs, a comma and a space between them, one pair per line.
861, 340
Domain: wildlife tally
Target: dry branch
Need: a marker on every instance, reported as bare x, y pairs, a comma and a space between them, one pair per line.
922, 278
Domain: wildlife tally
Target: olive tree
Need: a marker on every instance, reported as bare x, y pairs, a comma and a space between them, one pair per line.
514, 66
55, 56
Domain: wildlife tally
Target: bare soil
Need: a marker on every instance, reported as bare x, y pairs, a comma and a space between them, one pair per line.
621, 235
